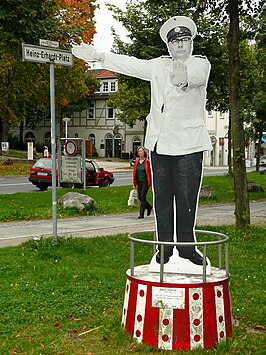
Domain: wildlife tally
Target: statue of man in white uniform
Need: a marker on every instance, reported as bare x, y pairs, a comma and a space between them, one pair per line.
176, 132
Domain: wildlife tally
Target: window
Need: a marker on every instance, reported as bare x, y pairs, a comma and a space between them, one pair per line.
109, 86
113, 86
91, 113
105, 86
47, 138
30, 137
136, 142
89, 166
110, 113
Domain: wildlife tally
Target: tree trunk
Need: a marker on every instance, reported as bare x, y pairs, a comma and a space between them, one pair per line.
242, 210
21, 130
5, 128
260, 134
230, 169
1, 130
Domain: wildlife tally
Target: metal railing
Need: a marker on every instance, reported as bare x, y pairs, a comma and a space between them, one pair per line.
221, 239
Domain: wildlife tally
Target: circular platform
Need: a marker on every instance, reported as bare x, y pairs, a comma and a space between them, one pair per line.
142, 273
181, 313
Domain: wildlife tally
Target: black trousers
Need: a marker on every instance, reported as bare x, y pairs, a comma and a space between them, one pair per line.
143, 189
176, 182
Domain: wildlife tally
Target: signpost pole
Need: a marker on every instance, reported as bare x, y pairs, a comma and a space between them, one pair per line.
53, 142
84, 164
49, 53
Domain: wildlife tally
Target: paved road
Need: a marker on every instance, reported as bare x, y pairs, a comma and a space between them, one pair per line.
13, 184
14, 233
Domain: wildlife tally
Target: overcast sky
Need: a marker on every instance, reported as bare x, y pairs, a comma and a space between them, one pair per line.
104, 21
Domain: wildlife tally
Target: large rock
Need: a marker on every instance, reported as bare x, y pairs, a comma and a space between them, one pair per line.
254, 186
74, 199
205, 191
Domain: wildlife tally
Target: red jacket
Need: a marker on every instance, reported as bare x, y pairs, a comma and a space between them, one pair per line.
147, 168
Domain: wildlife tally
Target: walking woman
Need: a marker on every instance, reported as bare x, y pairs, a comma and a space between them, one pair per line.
142, 179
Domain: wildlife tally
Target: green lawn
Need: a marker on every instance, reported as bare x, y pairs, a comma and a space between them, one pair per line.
65, 296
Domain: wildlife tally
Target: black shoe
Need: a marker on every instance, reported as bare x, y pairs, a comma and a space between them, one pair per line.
195, 258
139, 217
168, 252
165, 260
149, 211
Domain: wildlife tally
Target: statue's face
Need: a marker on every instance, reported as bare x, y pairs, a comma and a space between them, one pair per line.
180, 48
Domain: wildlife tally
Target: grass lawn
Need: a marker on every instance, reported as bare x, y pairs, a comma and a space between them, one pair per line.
65, 296
37, 205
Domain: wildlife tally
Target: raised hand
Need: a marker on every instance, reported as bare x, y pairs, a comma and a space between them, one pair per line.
179, 76
84, 51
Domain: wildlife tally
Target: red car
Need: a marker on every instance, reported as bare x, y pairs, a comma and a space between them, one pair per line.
41, 175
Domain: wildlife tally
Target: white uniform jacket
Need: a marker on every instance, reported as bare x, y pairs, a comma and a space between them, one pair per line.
176, 119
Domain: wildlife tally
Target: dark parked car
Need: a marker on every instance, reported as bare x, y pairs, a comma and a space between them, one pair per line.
41, 175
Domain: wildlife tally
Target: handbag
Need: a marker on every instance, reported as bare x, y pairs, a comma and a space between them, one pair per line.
133, 198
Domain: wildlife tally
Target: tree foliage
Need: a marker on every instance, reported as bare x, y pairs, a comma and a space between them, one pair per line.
74, 19
222, 25
143, 20
26, 86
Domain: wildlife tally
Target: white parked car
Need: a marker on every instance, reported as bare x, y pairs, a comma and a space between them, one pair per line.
263, 160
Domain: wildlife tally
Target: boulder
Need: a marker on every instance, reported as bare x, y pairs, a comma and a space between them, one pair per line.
254, 186
206, 191
76, 200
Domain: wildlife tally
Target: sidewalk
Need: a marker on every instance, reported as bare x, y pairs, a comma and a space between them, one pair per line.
119, 165
113, 164
14, 233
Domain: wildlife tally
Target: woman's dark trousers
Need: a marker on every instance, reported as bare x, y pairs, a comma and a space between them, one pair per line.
143, 189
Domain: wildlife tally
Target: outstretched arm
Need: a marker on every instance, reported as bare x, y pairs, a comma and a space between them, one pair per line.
122, 64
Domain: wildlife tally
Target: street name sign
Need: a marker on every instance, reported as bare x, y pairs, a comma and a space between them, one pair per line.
39, 54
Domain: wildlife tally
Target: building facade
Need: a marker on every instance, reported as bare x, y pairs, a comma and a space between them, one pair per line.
112, 138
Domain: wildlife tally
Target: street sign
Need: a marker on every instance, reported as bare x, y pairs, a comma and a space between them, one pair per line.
40, 54
5, 146
70, 148
71, 169
48, 43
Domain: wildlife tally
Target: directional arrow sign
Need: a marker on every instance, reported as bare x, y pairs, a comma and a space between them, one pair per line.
40, 54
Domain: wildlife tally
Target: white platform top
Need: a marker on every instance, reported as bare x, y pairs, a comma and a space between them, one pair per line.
143, 274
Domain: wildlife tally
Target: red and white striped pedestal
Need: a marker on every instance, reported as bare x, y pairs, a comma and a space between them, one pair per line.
182, 313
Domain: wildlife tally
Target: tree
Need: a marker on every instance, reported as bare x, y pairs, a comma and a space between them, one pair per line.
255, 96
143, 21
242, 211
73, 20
27, 84
236, 11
